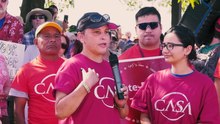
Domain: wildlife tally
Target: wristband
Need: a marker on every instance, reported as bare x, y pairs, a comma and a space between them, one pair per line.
86, 87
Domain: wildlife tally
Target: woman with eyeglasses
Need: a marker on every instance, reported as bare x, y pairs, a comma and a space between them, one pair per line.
179, 94
64, 45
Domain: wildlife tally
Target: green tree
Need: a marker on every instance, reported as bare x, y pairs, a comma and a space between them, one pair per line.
177, 6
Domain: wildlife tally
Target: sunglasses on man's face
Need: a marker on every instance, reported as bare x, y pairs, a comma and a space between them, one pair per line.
144, 26
37, 17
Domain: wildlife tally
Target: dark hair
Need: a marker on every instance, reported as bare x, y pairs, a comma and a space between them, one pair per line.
50, 10
147, 11
77, 48
67, 43
186, 37
53, 7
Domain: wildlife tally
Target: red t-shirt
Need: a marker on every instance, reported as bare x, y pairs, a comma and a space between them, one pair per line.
98, 106
136, 52
36, 79
167, 99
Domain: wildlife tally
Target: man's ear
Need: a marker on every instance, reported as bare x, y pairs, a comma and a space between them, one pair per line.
35, 41
80, 37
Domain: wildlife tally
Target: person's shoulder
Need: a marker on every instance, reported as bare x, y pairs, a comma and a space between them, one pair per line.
12, 19
74, 59
202, 77
59, 22
31, 32
129, 53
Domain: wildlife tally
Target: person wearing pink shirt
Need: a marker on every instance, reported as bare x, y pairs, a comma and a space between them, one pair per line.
84, 85
179, 94
4, 89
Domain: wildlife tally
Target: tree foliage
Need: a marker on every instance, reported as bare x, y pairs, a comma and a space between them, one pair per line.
62, 4
136, 4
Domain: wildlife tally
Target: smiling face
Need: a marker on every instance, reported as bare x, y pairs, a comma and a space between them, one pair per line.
176, 53
95, 41
48, 41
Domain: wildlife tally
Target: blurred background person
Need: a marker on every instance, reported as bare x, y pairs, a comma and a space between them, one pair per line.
54, 11
11, 29
35, 17
64, 46
5, 84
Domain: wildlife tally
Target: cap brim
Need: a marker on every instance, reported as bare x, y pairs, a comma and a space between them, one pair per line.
41, 11
48, 24
111, 26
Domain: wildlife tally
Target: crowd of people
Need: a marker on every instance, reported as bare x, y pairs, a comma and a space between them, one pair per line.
66, 77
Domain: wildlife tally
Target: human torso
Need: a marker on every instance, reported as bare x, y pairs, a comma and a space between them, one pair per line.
37, 80
178, 100
98, 104
11, 30
137, 52
28, 38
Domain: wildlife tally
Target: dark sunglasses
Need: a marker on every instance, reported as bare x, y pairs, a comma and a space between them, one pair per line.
97, 18
152, 25
3, 1
169, 46
38, 16
63, 46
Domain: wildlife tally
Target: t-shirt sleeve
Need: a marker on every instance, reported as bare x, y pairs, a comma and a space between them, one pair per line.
139, 101
210, 111
20, 81
67, 79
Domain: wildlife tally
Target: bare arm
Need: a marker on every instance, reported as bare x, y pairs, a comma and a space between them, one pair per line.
217, 86
19, 110
67, 104
122, 105
144, 119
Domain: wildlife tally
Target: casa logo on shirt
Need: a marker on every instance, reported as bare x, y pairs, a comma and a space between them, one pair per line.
105, 91
173, 106
45, 88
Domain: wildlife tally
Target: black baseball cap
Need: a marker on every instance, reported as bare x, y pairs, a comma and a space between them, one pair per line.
94, 20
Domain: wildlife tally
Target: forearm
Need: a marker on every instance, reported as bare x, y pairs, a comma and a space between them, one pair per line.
19, 117
144, 119
68, 104
19, 110
123, 111
217, 86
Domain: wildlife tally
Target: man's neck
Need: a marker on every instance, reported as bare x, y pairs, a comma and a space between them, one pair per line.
49, 57
149, 47
93, 57
2, 15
